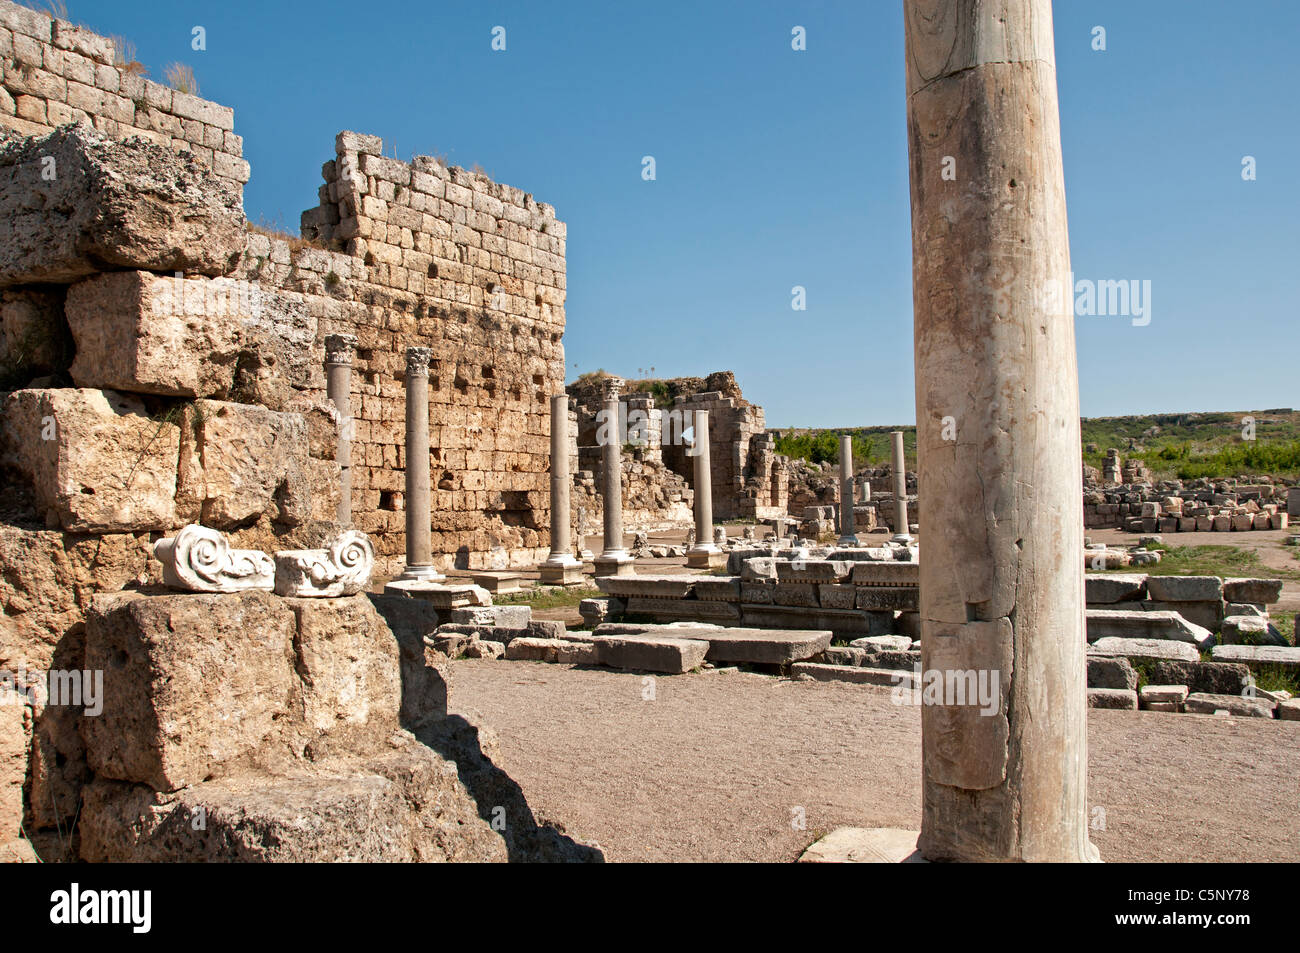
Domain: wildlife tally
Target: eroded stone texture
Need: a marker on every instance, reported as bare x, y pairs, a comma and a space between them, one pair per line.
111, 204
1000, 579
96, 460
152, 334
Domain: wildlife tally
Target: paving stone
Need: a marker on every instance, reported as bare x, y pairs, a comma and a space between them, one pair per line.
1202, 704
649, 653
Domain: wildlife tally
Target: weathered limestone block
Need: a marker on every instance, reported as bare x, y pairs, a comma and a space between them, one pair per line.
47, 576
96, 461
648, 653
1184, 588
1163, 697
406, 806
197, 683
15, 742
1216, 678
199, 559
1141, 624
1145, 649
1257, 654
341, 569
853, 674
426, 677
1199, 703
147, 333
238, 461
347, 662
1256, 591
1250, 630
1111, 673
1116, 588
1118, 698
111, 203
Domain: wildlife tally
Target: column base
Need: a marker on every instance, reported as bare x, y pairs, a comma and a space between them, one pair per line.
900, 538
615, 564
423, 573
848, 542
561, 571
711, 558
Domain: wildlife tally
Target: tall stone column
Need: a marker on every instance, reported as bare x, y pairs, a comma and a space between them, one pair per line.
705, 554
997, 411
901, 525
419, 514
339, 351
561, 567
615, 560
847, 535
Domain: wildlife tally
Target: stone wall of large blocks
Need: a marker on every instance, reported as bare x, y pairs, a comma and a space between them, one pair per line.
53, 73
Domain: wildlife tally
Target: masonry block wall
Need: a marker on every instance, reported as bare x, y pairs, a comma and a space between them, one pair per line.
53, 73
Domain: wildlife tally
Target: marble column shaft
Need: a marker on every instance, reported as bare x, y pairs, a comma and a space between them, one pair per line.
339, 351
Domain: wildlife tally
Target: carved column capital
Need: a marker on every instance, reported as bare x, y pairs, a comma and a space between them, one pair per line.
417, 360
340, 349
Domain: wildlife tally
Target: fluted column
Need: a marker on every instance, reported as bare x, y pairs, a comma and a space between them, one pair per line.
339, 351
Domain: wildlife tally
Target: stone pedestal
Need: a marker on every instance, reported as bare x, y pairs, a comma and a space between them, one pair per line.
339, 350
615, 560
561, 568
419, 514
901, 533
705, 554
848, 534
1001, 591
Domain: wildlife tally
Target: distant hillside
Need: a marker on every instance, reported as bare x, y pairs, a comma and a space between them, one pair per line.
1185, 446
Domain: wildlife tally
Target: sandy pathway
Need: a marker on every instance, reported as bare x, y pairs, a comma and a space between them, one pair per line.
715, 767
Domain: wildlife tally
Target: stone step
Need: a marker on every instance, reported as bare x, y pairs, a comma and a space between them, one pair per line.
736, 644
855, 674
1145, 648
1140, 624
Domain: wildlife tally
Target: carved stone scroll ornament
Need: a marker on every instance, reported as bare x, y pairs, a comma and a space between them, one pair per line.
342, 569
200, 559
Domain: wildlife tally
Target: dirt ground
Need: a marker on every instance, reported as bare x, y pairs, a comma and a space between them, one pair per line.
718, 766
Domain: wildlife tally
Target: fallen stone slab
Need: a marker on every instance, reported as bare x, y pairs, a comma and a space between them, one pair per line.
532, 649
1120, 587
891, 573
812, 570
1260, 592
1163, 697
1145, 649
1215, 678
1250, 630
596, 611
864, 845
113, 203
1184, 588
846, 623
1111, 673
881, 643
897, 598
438, 595
857, 675
653, 587
485, 649
734, 644
649, 653
1202, 704
502, 617
683, 609
1122, 699
1139, 624
1289, 710
1207, 615
1258, 655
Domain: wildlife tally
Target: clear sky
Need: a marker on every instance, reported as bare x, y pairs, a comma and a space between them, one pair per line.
778, 168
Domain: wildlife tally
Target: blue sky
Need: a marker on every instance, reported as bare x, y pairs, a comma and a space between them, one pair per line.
778, 168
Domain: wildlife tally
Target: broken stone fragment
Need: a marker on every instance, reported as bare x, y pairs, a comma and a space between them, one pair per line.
76, 202
341, 569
